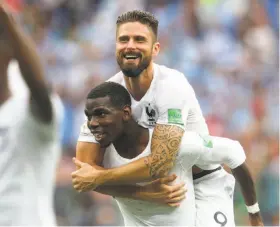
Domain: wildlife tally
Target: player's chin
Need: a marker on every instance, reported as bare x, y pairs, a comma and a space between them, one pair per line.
104, 143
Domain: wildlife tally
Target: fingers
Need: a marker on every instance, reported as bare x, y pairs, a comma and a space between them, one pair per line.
77, 187
173, 204
176, 199
77, 162
176, 187
74, 174
177, 193
168, 179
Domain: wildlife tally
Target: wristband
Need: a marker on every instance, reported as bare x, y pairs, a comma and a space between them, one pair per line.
253, 209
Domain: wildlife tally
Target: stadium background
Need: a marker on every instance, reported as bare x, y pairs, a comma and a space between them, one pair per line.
228, 49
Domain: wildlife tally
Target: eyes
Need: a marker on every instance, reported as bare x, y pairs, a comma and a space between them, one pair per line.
138, 39
96, 114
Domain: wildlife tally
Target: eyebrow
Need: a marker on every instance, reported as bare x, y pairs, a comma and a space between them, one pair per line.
135, 36
100, 108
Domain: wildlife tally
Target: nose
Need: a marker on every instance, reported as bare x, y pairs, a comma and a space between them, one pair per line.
93, 123
130, 44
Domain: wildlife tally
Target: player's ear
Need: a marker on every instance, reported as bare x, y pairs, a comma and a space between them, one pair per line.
127, 113
156, 49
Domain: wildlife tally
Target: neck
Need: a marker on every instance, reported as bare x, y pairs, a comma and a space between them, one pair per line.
5, 92
133, 141
138, 86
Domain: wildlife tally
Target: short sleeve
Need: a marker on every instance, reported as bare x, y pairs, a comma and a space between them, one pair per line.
42, 130
173, 103
222, 151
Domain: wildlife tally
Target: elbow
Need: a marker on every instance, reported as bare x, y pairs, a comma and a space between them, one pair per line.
238, 155
240, 151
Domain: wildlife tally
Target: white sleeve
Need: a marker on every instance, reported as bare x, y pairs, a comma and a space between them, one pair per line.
173, 103
85, 134
42, 130
224, 151
191, 148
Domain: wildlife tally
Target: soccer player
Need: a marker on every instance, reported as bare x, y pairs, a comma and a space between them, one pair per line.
29, 142
162, 99
108, 108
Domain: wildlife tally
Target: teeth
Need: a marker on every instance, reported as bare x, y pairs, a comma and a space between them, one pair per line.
98, 136
131, 56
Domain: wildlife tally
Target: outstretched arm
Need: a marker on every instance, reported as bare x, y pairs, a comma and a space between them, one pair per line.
30, 66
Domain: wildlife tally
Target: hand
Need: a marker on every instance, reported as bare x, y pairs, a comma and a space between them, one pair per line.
159, 191
256, 219
86, 178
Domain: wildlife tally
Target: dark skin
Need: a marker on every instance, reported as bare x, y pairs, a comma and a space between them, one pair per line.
244, 178
117, 126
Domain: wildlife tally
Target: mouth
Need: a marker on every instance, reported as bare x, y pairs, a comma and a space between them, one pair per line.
131, 56
99, 136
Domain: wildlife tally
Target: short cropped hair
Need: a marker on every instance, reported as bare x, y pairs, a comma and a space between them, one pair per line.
139, 16
118, 95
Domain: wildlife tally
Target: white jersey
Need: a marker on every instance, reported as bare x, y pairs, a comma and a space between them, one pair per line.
193, 150
169, 100
30, 151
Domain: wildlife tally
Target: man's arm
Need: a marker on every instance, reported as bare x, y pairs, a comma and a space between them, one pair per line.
31, 69
165, 144
245, 180
90, 153
231, 153
157, 191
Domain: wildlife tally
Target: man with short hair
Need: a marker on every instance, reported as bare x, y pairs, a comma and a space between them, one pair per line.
162, 99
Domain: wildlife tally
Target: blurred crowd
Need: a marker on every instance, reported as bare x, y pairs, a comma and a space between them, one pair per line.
228, 50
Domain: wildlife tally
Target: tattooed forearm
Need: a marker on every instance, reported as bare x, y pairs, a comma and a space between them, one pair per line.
165, 145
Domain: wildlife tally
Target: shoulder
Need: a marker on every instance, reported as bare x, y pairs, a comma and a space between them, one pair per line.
171, 81
49, 130
170, 78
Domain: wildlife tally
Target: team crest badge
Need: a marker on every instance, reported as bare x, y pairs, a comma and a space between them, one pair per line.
151, 114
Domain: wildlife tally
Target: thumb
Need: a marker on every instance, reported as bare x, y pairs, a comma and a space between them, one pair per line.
168, 179
77, 162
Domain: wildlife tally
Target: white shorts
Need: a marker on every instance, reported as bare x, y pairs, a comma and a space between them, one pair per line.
214, 199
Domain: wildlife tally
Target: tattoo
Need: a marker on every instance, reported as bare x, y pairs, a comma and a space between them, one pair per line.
165, 145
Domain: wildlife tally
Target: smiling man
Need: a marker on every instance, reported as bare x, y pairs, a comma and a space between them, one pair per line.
162, 99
